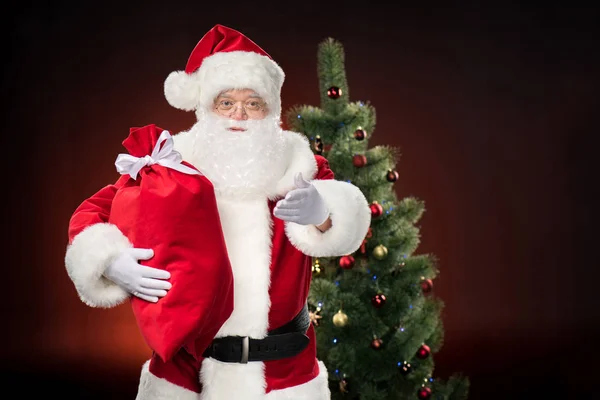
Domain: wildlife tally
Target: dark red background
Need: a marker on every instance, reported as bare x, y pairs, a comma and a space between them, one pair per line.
494, 110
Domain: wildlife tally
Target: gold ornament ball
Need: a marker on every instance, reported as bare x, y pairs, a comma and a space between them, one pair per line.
380, 252
316, 268
340, 319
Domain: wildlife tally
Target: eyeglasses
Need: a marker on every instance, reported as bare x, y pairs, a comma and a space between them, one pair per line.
251, 107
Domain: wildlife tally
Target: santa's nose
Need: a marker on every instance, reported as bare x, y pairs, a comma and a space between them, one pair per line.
239, 114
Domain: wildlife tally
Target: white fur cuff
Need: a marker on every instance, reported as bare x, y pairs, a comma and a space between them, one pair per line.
86, 260
350, 218
316, 389
152, 387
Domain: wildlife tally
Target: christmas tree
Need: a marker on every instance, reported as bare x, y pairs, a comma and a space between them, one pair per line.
376, 318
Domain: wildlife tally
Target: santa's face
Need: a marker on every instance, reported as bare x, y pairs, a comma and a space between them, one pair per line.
240, 105
238, 145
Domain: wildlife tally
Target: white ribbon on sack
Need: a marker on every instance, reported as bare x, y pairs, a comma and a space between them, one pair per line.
167, 157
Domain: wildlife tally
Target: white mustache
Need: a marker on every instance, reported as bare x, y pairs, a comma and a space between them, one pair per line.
225, 123
230, 123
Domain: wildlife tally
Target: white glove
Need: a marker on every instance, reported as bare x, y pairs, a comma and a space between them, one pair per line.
303, 205
140, 280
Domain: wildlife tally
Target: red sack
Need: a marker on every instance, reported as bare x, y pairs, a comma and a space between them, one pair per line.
174, 213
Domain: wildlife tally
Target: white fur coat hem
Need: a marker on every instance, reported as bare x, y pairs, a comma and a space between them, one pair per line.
153, 388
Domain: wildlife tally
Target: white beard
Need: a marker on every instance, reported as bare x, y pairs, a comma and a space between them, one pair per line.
247, 163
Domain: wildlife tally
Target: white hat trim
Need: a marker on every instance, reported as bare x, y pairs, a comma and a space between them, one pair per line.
225, 71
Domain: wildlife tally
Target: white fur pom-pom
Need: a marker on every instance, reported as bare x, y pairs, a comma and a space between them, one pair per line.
182, 90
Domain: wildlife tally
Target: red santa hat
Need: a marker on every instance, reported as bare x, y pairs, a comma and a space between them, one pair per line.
225, 59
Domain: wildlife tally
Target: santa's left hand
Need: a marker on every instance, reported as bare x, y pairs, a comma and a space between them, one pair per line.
303, 205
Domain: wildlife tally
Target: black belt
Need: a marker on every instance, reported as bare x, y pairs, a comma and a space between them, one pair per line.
286, 341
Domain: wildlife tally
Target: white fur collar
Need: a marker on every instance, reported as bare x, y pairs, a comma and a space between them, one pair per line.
299, 153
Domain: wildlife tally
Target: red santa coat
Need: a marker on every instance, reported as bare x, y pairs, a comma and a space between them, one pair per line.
271, 260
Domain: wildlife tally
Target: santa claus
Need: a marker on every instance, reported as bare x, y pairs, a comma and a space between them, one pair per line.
279, 205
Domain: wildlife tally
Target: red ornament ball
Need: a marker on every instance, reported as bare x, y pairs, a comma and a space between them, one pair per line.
376, 343
426, 285
334, 92
347, 262
378, 300
359, 160
424, 393
360, 134
392, 176
376, 209
423, 352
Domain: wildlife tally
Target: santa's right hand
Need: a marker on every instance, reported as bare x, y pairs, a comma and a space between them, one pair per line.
142, 281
